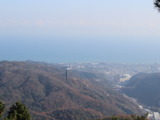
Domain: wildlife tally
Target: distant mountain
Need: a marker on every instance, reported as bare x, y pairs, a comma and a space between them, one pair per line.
145, 88
44, 89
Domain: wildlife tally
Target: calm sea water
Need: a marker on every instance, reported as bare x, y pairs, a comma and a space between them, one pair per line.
79, 49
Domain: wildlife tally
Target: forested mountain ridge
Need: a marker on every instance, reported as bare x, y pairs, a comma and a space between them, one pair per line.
145, 88
44, 89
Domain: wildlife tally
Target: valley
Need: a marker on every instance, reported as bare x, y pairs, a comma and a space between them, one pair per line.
69, 91
119, 74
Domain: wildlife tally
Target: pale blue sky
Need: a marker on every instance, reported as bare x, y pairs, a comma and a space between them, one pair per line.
73, 24
79, 17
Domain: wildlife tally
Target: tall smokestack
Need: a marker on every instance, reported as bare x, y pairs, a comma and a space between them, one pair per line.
66, 74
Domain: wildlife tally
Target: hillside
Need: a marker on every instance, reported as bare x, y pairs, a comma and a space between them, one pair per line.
126, 117
46, 92
145, 88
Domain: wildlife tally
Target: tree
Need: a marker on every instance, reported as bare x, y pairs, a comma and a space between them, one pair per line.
2, 107
18, 111
157, 4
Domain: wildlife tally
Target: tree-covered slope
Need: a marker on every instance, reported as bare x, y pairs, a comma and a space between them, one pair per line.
44, 89
145, 87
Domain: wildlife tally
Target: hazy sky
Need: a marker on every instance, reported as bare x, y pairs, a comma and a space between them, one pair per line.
79, 30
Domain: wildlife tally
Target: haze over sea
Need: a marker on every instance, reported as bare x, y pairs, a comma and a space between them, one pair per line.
80, 49
80, 31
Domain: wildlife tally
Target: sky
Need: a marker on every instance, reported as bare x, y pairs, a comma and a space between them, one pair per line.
80, 31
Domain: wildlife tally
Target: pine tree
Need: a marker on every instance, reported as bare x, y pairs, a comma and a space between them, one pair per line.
157, 4
18, 111
2, 107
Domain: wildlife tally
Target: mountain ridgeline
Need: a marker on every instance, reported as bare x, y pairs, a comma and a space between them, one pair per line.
145, 88
44, 89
